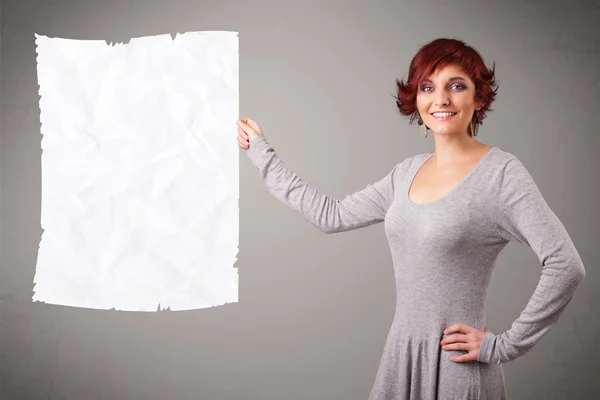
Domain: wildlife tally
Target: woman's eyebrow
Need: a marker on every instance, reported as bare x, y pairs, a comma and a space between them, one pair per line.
454, 78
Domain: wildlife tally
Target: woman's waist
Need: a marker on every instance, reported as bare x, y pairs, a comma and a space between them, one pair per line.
420, 322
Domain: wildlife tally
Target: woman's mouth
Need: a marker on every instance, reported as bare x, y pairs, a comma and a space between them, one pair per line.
443, 116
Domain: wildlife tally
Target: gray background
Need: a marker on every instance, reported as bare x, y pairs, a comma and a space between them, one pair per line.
314, 309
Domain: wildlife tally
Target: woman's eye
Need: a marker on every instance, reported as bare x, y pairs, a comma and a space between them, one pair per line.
456, 85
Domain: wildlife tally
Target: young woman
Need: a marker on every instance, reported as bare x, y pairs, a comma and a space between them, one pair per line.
448, 214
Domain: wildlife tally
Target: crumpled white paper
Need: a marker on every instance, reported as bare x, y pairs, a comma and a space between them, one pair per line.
140, 172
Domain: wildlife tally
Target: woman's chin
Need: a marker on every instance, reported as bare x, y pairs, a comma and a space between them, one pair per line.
444, 129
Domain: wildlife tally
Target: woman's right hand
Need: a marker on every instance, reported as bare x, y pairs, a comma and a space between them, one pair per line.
248, 129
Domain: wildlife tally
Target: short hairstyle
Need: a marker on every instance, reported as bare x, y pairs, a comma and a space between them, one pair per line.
436, 55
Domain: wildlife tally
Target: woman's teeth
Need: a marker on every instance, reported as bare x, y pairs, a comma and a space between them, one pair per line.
443, 116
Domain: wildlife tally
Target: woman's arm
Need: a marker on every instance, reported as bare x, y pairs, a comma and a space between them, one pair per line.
363, 208
523, 215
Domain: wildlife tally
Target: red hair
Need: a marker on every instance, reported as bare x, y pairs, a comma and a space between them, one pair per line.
436, 55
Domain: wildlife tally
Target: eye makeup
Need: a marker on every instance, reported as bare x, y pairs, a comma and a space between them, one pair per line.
425, 83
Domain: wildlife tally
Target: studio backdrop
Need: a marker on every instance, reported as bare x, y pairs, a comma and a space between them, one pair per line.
142, 256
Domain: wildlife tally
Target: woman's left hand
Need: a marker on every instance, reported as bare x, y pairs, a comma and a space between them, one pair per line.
469, 340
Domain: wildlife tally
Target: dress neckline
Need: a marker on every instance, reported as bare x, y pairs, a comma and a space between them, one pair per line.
451, 191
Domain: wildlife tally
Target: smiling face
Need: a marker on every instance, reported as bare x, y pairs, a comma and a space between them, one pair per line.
448, 90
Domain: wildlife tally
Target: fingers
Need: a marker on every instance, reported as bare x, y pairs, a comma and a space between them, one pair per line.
458, 346
243, 143
453, 339
468, 340
461, 343
252, 123
243, 124
243, 139
247, 130
243, 134
459, 328
471, 356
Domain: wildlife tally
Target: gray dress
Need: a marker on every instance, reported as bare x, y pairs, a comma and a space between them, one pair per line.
443, 256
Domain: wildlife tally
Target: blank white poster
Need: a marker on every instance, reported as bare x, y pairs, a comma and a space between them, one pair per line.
140, 172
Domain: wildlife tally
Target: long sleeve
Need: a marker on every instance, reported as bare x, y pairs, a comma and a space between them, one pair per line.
523, 215
360, 209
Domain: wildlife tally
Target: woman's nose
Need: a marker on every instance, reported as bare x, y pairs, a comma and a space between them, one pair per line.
441, 98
